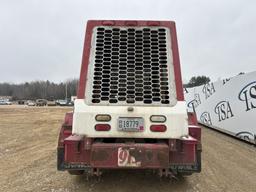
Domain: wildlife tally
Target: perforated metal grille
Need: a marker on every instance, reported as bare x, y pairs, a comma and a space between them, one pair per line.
130, 66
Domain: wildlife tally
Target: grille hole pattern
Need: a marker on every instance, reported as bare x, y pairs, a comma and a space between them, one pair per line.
130, 66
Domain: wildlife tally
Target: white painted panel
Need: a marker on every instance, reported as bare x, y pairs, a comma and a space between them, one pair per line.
84, 120
227, 105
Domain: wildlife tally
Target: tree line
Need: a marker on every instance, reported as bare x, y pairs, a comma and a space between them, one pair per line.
50, 90
197, 81
39, 89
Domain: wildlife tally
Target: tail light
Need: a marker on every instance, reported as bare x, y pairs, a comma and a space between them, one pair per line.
103, 117
102, 127
158, 128
158, 118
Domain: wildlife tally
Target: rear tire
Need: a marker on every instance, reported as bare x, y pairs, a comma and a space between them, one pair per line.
76, 172
181, 175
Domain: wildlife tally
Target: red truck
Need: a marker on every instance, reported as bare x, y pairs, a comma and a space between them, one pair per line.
130, 111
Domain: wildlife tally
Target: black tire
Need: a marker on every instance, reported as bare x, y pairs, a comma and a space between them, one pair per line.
199, 162
183, 174
76, 172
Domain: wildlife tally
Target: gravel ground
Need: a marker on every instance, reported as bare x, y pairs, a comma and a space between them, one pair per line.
28, 139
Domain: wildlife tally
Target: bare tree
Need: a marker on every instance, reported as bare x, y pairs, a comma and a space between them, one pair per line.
39, 89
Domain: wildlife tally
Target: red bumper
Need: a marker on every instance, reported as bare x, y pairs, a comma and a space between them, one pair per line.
81, 151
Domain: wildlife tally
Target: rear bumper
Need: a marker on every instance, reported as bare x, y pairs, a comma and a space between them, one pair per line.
79, 153
129, 155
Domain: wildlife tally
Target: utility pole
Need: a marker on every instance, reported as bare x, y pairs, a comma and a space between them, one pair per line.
66, 91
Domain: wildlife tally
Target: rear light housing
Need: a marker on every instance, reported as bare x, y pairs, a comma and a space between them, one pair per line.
158, 118
158, 128
102, 127
103, 117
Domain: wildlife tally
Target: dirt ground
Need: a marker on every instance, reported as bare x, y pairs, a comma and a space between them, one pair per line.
28, 138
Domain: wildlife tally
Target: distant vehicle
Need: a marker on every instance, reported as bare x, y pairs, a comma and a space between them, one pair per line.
51, 102
8, 102
5, 102
70, 103
41, 102
62, 102
31, 103
73, 98
21, 102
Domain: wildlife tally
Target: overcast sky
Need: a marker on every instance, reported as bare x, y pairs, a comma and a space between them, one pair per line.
43, 39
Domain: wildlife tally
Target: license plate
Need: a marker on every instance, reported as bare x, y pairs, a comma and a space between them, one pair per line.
130, 124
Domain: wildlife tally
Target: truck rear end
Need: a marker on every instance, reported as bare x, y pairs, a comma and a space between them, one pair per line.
130, 111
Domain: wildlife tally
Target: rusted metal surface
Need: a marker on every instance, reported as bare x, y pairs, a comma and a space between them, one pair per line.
185, 153
87, 143
130, 155
75, 150
172, 145
120, 155
100, 155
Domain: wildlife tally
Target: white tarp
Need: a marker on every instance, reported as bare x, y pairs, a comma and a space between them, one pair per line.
228, 105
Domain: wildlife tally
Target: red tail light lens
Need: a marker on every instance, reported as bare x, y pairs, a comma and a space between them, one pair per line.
158, 128
102, 127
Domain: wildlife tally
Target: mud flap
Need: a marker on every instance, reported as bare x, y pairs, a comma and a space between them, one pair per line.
198, 161
60, 159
